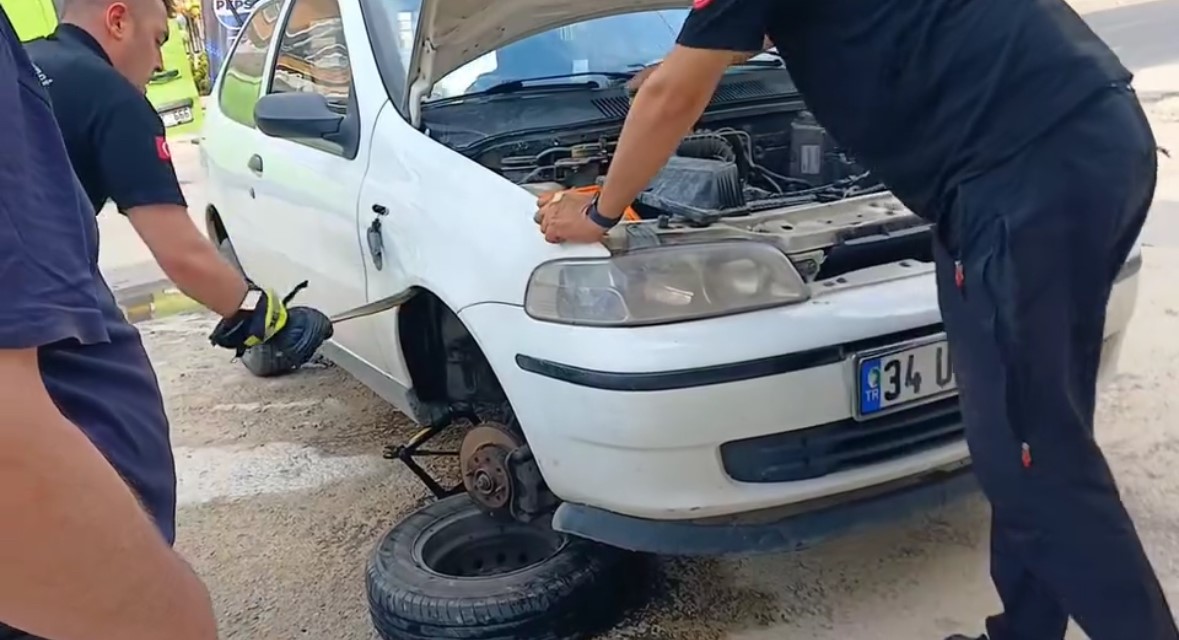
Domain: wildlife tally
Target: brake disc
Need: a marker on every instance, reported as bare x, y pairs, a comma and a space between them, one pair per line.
483, 459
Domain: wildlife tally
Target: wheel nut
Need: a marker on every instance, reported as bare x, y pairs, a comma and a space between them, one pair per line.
483, 482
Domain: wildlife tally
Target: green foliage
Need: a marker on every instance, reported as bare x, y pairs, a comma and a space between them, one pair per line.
200, 73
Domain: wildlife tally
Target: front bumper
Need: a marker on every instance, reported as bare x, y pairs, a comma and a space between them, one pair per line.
779, 530
641, 424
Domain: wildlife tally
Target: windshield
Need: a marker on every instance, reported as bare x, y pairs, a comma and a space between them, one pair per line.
615, 44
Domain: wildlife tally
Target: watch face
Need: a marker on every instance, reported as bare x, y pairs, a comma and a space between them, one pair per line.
251, 300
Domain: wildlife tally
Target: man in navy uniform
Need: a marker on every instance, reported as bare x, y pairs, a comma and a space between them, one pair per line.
85, 463
95, 67
1011, 126
81, 559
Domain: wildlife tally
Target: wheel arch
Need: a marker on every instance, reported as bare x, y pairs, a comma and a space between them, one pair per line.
445, 362
214, 227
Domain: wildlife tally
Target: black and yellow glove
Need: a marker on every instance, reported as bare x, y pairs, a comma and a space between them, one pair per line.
252, 327
291, 334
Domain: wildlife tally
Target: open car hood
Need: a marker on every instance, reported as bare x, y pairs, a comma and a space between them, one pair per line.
452, 33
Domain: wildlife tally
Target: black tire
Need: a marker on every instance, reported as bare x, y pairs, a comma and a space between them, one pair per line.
226, 250
417, 588
262, 360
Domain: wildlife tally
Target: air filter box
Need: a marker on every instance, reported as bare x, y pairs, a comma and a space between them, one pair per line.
695, 188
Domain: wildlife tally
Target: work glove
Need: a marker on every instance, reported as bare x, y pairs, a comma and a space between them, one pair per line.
292, 334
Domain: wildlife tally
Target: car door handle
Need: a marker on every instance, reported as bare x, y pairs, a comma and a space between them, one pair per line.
376, 244
255, 164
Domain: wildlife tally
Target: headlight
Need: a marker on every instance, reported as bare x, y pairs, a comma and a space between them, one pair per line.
664, 284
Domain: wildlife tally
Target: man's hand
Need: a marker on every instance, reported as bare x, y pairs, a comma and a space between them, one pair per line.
295, 333
677, 91
252, 327
562, 218
639, 78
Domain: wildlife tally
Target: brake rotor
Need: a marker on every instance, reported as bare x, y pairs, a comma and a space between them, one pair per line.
483, 458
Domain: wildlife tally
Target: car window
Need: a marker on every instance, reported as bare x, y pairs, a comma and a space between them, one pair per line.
312, 55
612, 44
242, 84
396, 23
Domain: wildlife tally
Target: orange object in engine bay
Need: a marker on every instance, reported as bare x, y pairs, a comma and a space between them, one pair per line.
628, 214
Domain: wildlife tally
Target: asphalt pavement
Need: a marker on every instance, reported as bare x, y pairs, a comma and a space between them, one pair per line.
1142, 34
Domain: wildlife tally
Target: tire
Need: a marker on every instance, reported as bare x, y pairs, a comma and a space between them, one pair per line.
227, 252
262, 360
420, 583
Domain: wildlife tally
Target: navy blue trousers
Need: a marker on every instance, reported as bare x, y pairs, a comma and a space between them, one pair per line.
1026, 258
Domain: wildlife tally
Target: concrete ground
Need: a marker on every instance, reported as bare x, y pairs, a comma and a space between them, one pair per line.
283, 491
124, 259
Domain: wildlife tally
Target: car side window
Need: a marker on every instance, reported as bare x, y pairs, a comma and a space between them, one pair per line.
312, 55
392, 26
241, 86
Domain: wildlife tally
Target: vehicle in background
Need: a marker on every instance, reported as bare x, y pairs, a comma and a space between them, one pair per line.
32, 19
172, 90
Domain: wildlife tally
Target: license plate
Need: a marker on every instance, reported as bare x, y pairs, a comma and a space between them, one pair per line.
901, 376
177, 116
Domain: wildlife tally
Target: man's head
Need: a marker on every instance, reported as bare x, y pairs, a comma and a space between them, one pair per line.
130, 31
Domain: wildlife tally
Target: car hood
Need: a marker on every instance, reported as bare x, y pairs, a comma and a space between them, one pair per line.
452, 33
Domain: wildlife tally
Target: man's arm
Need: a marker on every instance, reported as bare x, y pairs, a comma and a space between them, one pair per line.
188, 258
80, 559
136, 165
714, 36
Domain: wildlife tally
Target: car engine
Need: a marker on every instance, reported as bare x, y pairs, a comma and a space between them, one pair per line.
715, 172
756, 148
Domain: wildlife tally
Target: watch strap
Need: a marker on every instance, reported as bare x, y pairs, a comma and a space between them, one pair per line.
596, 216
254, 295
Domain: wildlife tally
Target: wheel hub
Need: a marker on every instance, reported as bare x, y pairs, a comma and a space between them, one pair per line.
483, 458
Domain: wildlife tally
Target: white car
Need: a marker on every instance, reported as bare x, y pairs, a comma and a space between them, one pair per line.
754, 364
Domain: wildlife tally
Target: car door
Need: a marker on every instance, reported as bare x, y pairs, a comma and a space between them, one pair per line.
308, 189
230, 137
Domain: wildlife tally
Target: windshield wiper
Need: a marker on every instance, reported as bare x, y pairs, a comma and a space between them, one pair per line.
523, 83
776, 63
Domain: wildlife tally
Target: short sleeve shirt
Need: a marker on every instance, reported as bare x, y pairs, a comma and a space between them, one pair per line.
53, 297
116, 140
924, 93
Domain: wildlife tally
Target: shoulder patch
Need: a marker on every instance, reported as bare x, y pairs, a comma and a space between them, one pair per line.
162, 149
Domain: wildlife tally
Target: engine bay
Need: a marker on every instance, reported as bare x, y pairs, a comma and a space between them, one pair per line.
757, 160
740, 160
715, 173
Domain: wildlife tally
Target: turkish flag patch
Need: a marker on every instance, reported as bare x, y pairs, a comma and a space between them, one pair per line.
162, 149
700, 4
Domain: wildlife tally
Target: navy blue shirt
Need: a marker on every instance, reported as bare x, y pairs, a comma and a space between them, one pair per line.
924, 93
115, 139
53, 297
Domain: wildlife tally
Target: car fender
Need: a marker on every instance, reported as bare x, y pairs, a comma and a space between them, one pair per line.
453, 226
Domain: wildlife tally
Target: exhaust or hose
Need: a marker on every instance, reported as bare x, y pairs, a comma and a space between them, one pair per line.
708, 146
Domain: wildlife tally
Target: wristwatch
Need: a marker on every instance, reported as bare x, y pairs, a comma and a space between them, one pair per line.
253, 297
596, 216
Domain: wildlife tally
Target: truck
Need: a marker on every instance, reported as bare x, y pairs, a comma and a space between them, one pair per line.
172, 90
